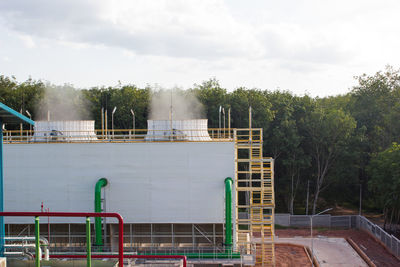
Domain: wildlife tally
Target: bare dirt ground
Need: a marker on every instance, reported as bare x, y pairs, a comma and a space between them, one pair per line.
374, 250
287, 256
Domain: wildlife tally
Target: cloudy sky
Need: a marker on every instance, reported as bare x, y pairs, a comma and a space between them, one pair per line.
311, 47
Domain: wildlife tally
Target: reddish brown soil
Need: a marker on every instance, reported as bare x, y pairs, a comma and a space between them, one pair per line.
372, 248
287, 256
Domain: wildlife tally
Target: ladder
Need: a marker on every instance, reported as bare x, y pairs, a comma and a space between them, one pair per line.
255, 196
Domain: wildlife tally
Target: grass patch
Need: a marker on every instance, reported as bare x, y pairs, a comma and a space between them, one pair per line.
321, 229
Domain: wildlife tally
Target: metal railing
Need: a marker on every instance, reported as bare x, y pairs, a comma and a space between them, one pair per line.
390, 241
119, 135
325, 220
343, 222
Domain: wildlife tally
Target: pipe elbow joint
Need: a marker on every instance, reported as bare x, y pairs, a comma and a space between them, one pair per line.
101, 183
228, 179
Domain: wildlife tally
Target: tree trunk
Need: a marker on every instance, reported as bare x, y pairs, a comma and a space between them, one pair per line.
385, 218
291, 205
317, 190
391, 220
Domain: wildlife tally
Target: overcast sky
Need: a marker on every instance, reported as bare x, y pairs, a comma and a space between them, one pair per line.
305, 46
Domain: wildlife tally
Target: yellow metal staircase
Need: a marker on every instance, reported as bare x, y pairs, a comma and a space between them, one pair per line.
255, 203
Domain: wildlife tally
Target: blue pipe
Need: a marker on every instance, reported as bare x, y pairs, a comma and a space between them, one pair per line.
2, 227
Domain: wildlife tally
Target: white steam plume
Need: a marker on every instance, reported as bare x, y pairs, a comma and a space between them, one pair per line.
185, 105
63, 103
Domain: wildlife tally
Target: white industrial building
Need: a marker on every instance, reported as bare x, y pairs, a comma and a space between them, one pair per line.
167, 183
170, 182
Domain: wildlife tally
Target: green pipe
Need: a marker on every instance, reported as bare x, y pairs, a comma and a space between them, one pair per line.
37, 242
97, 208
228, 213
88, 245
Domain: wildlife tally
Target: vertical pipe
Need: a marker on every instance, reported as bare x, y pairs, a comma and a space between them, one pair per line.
37, 242
112, 124
104, 219
48, 226
106, 123
2, 228
229, 122
171, 118
121, 241
219, 122
228, 213
250, 130
223, 111
130, 234
97, 208
88, 245
250, 117
102, 122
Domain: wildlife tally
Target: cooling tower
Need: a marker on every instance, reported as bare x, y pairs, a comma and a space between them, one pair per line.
80, 130
177, 130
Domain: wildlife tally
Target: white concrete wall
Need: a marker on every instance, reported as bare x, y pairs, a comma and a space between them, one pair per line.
148, 182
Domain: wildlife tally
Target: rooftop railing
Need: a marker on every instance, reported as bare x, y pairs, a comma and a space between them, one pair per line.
130, 135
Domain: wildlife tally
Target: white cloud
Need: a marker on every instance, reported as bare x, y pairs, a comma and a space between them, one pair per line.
199, 29
27, 40
299, 45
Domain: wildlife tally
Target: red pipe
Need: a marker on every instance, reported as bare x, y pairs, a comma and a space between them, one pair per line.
120, 255
80, 214
99, 256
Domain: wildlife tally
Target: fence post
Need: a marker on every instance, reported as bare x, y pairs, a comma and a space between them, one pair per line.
391, 242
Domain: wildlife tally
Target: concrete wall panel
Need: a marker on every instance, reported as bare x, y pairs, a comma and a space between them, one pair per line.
148, 182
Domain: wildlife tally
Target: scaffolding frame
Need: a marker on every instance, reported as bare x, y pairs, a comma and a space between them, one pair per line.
255, 199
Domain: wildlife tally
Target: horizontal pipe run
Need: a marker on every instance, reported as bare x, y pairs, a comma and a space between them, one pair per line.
209, 255
120, 256
193, 255
104, 256
26, 238
24, 243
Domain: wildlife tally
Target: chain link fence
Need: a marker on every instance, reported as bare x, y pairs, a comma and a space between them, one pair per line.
390, 241
342, 222
325, 220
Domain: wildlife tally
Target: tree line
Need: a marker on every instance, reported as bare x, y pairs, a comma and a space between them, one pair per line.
331, 146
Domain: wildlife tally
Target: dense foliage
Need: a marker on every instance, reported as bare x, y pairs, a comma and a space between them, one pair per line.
384, 170
332, 145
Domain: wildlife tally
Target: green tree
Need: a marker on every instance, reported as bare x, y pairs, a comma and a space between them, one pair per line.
375, 106
328, 131
212, 96
384, 170
285, 143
